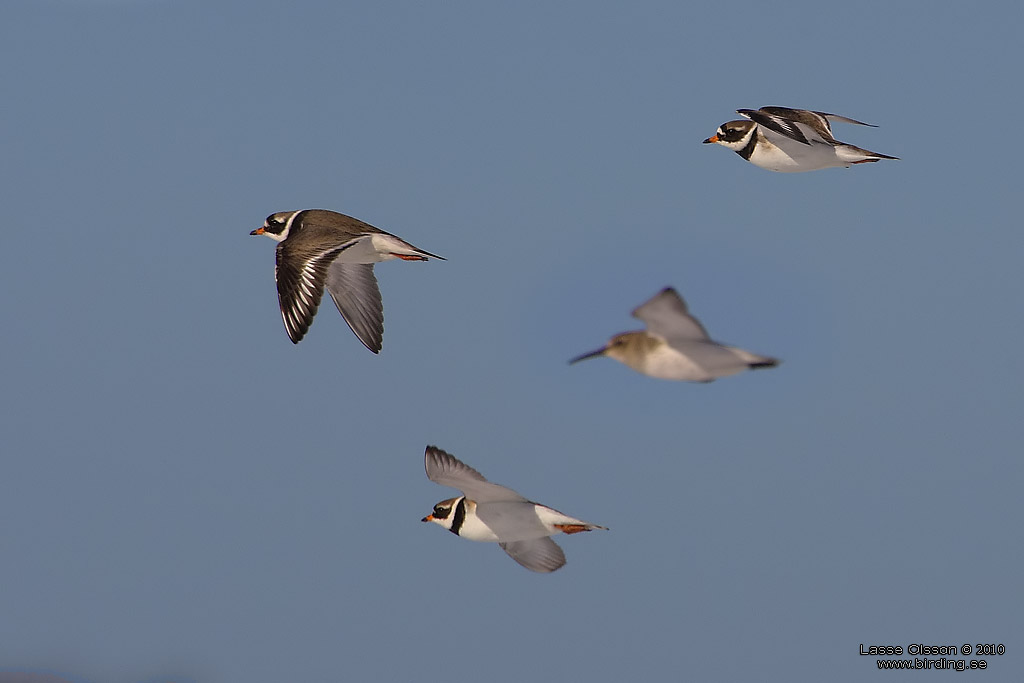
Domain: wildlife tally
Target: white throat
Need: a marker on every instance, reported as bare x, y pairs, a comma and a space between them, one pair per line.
742, 142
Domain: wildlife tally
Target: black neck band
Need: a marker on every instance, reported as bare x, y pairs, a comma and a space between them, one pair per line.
748, 149
460, 516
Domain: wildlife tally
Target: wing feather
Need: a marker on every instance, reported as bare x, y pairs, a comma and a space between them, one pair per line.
300, 286
537, 554
836, 118
773, 122
447, 470
666, 315
357, 296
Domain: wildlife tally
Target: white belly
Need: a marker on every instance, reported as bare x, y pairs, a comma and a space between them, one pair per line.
664, 362
795, 157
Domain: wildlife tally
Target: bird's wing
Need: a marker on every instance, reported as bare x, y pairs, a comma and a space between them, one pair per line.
836, 118
300, 285
666, 315
447, 470
512, 520
803, 126
537, 554
357, 296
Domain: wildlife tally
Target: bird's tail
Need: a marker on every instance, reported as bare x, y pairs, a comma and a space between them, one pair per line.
755, 361
857, 155
577, 528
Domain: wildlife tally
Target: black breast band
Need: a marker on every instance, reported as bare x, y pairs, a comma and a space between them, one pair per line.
460, 516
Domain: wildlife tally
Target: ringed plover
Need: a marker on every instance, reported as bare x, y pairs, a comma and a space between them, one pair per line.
318, 248
488, 512
791, 140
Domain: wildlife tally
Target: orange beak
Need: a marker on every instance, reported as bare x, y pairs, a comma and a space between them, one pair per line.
258, 231
428, 518
713, 138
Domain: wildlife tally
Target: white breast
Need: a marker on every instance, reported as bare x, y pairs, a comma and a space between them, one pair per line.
473, 529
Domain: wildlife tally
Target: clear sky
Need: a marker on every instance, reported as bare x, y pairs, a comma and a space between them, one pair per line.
187, 496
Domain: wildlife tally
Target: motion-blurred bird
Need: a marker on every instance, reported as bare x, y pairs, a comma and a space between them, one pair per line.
317, 248
675, 345
489, 512
791, 140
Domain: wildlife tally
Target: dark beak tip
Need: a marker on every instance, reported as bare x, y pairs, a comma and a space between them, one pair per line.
707, 141
424, 520
253, 233
585, 356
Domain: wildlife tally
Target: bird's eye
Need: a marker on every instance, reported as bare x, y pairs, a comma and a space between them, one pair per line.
440, 512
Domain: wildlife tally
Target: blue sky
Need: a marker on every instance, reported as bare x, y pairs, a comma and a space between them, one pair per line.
186, 496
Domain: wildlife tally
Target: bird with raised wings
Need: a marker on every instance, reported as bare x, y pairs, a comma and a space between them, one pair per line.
675, 345
791, 140
488, 512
